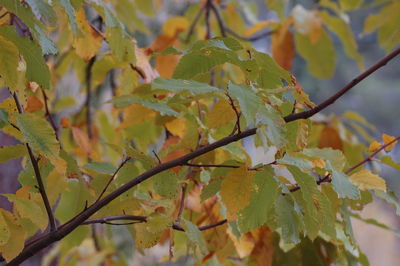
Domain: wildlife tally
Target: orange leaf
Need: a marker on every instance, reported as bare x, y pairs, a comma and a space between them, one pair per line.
81, 139
174, 26
34, 104
387, 139
330, 139
65, 123
282, 45
258, 27
374, 146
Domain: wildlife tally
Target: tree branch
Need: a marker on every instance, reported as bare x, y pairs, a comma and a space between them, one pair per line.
207, 19
38, 175
194, 23
253, 38
49, 116
68, 227
88, 78
219, 18
354, 82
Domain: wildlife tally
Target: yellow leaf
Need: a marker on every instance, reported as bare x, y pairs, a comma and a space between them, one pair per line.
174, 26
143, 66
236, 190
16, 240
318, 163
374, 146
387, 139
365, 179
89, 42
177, 127
221, 114
244, 245
258, 27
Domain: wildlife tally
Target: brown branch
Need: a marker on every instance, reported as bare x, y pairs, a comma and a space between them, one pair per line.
207, 20
49, 238
227, 166
194, 23
49, 116
88, 78
38, 175
219, 18
181, 204
253, 38
138, 70
112, 177
238, 114
201, 228
354, 82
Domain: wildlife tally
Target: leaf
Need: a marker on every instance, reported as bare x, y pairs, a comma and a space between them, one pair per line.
9, 58
39, 134
36, 69
81, 139
173, 26
220, 115
307, 23
66, 4
29, 209
4, 230
387, 139
374, 146
365, 179
320, 56
194, 235
389, 161
43, 11
166, 184
100, 167
144, 238
343, 31
72, 201
262, 201
350, 4
12, 152
282, 45
34, 104
335, 157
156, 223
89, 41
16, 241
343, 186
179, 85
287, 220
146, 160
159, 106
236, 190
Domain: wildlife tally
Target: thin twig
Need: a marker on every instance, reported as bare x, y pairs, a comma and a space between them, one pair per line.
38, 175
158, 158
219, 18
48, 114
201, 228
227, 166
354, 82
113, 177
194, 23
207, 20
138, 70
88, 78
238, 114
181, 204
253, 38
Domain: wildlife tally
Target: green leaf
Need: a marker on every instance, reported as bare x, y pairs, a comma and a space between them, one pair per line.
335, 157
287, 220
72, 201
270, 72
350, 4
69, 9
146, 160
389, 161
159, 106
343, 31
166, 184
16, 241
43, 11
295, 161
12, 152
100, 167
194, 235
343, 187
36, 69
156, 223
261, 202
320, 56
3, 118
39, 134
9, 62
179, 85
47, 45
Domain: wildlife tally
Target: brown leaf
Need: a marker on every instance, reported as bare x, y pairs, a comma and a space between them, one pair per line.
34, 104
81, 139
282, 45
330, 139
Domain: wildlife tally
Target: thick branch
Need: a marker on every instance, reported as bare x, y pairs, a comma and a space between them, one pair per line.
38, 175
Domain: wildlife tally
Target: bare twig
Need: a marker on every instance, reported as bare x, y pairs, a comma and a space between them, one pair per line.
238, 114
112, 177
89, 96
207, 19
38, 175
218, 17
253, 38
48, 114
158, 158
194, 23
181, 204
138, 70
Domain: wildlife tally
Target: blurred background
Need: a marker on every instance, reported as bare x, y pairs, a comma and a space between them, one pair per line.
377, 99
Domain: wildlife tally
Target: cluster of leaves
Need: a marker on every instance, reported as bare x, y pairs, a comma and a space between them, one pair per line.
141, 145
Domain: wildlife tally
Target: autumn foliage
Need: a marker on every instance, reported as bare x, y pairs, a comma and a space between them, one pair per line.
186, 136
